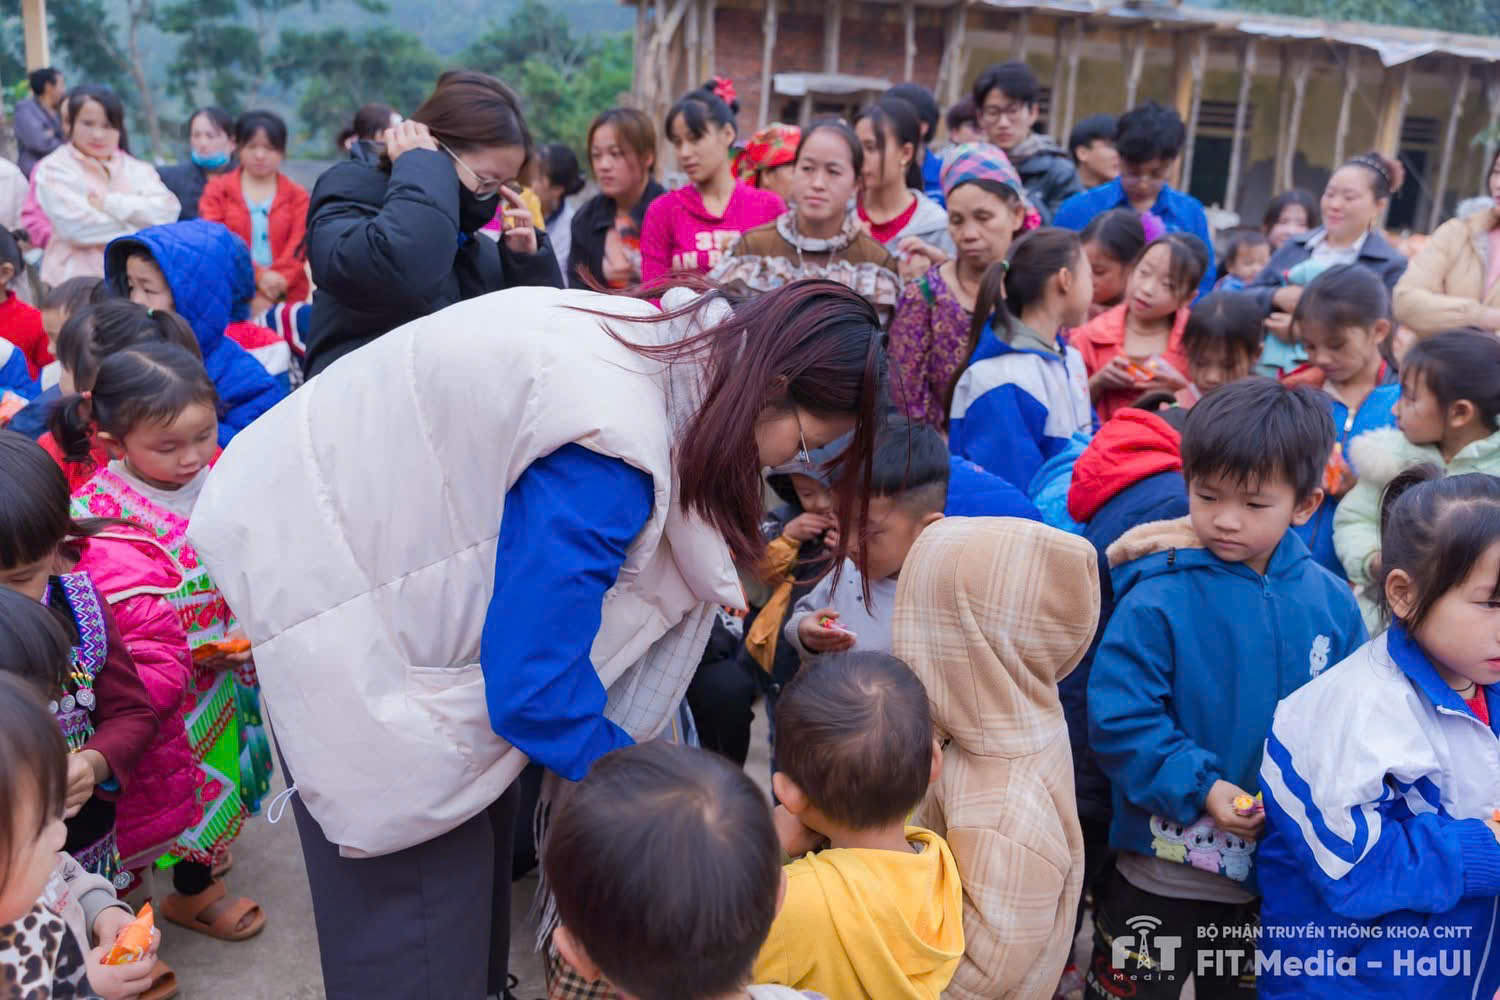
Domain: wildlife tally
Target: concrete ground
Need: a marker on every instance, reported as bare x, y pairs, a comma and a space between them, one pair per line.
282, 963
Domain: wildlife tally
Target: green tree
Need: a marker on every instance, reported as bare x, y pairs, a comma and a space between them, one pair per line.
1476, 17
338, 70
224, 46
564, 80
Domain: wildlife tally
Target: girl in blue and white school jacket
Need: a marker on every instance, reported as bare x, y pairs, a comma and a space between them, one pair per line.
1380, 868
1023, 394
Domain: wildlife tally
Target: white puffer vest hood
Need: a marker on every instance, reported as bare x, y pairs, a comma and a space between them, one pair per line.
353, 529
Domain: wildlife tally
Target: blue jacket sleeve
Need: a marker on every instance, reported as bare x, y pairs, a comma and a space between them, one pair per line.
1397, 860
560, 548
1197, 224
1131, 727
1002, 433
15, 374
245, 388
1075, 213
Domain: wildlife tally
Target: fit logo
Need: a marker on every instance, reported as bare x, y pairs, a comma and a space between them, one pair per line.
1138, 946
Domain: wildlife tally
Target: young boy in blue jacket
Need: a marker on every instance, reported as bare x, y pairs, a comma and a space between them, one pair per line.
1218, 616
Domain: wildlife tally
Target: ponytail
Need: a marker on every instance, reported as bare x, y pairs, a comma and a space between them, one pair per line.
1017, 281
895, 118
146, 382
95, 332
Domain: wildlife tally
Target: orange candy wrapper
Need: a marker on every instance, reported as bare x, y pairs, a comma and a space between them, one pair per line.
209, 650
134, 941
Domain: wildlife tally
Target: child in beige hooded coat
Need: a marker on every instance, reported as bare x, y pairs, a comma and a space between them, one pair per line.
991, 613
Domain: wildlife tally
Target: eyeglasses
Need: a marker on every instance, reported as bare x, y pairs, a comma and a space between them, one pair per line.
802, 456
992, 113
482, 188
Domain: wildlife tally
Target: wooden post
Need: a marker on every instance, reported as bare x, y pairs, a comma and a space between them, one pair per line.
1492, 105
1293, 128
833, 23
1393, 96
1197, 67
710, 59
954, 65
638, 67
1075, 44
768, 49
1135, 62
1284, 56
1023, 35
1055, 123
692, 45
1241, 110
34, 17
1351, 84
909, 15
1450, 136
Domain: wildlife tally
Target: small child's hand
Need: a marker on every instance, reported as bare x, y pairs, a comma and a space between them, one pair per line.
1279, 325
824, 638
1220, 807
1115, 375
796, 837
109, 923
121, 982
84, 770
806, 527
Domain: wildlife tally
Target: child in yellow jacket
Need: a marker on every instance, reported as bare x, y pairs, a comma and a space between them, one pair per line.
880, 912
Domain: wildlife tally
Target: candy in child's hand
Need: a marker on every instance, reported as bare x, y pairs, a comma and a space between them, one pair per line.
1244, 805
1141, 372
210, 650
134, 940
830, 622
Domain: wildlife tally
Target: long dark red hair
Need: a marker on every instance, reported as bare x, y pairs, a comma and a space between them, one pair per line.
812, 344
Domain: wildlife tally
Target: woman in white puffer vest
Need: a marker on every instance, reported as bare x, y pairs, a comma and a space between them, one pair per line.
511, 522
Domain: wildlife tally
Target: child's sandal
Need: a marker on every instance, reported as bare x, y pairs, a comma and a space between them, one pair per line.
163, 983
225, 864
230, 920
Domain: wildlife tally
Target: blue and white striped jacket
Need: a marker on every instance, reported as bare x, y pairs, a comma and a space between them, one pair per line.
1018, 406
1377, 780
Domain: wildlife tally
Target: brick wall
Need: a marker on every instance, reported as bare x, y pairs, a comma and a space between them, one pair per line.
872, 42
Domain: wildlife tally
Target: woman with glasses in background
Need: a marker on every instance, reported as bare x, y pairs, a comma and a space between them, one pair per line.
393, 241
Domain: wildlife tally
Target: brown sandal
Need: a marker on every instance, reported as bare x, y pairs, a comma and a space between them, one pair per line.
226, 925
163, 983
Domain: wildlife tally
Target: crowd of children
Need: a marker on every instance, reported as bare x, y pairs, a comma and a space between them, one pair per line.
1177, 604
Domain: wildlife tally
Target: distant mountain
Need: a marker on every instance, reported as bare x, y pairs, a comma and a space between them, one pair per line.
448, 27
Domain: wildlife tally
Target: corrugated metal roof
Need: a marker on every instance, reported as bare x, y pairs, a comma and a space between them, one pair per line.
1394, 44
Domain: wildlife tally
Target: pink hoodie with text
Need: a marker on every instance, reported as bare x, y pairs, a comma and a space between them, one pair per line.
679, 233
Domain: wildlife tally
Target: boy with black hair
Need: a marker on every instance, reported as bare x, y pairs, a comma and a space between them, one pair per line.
928, 113
1218, 616
1149, 140
908, 492
1222, 340
880, 912
1092, 143
666, 872
962, 120
1007, 96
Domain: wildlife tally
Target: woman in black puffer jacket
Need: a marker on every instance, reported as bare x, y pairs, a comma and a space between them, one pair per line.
392, 241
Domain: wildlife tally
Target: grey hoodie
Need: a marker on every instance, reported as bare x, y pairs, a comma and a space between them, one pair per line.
929, 222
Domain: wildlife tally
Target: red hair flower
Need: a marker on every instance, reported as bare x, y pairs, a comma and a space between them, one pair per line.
724, 87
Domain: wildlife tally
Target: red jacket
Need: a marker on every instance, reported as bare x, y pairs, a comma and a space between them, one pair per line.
1134, 445
78, 473
22, 325
1102, 337
223, 201
134, 575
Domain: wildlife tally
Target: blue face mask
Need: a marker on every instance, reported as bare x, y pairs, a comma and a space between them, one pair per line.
211, 162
